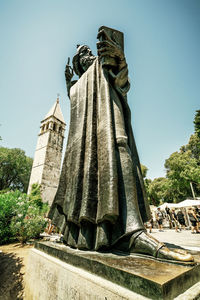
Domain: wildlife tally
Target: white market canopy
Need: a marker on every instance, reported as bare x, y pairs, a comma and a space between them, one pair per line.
188, 202
169, 205
185, 203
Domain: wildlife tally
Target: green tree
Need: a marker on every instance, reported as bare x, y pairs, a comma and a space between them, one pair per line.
144, 170
15, 169
197, 123
194, 142
182, 168
193, 146
147, 183
157, 191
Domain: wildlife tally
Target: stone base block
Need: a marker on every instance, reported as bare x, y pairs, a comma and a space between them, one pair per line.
48, 278
56, 272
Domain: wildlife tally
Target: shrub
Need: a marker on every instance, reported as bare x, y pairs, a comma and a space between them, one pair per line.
35, 195
30, 225
8, 208
21, 216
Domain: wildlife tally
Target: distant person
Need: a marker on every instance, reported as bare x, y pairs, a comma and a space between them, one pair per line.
169, 216
193, 220
175, 220
197, 212
167, 209
181, 218
159, 218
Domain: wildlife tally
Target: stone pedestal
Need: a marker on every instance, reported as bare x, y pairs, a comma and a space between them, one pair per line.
58, 272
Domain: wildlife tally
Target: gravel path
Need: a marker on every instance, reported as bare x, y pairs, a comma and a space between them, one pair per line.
13, 259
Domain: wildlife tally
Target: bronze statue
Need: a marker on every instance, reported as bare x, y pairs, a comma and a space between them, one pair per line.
100, 202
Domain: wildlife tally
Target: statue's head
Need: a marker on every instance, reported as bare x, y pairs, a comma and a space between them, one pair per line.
82, 60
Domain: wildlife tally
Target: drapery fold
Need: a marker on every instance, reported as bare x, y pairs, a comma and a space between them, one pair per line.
87, 201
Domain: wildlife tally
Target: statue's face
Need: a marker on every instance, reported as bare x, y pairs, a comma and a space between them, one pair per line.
86, 57
85, 51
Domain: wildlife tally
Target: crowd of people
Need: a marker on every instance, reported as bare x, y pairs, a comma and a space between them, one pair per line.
178, 219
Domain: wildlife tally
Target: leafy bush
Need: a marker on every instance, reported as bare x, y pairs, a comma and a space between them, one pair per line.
8, 207
30, 225
35, 196
21, 216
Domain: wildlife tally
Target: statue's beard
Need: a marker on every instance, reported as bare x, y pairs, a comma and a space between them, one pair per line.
86, 61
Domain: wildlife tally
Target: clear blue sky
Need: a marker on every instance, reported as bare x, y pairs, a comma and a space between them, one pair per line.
162, 46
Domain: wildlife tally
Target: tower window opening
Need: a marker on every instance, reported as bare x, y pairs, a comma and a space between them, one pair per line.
54, 126
60, 129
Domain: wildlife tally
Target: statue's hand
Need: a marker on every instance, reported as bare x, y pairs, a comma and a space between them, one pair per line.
108, 47
68, 73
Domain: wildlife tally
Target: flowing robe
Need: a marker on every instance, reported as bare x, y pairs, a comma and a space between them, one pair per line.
100, 198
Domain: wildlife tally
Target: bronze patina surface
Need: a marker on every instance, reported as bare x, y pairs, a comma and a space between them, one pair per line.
100, 202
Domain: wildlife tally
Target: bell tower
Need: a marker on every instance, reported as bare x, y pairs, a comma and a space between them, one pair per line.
48, 153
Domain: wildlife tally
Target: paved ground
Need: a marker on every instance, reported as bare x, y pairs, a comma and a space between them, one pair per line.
184, 239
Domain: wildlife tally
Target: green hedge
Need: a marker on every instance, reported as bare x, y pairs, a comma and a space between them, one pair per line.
22, 216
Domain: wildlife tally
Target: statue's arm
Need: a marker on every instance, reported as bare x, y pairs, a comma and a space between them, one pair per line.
68, 77
121, 80
119, 70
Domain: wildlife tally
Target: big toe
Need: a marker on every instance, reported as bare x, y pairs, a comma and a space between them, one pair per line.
166, 253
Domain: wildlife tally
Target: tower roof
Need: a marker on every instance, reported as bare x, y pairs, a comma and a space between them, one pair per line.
56, 112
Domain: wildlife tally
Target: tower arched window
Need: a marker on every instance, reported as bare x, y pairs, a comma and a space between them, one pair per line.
43, 127
54, 126
60, 129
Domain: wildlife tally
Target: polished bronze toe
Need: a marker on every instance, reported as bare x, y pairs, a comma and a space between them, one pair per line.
166, 253
144, 243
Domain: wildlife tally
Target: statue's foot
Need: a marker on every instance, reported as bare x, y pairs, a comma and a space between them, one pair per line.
146, 244
166, 253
